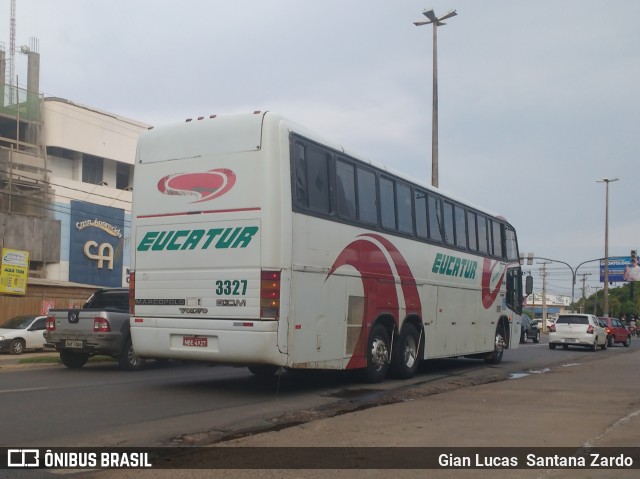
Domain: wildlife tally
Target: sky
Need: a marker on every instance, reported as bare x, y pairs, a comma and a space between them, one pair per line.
537, 100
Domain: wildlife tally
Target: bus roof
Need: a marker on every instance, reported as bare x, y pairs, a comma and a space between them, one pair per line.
243, 132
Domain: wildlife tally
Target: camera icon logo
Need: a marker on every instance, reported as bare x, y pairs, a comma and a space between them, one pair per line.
23, 458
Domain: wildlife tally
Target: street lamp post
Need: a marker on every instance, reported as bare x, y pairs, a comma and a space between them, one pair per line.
436, 22
574, 271
605, 303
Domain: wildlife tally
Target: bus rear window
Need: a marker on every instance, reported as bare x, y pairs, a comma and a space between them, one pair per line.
312, 178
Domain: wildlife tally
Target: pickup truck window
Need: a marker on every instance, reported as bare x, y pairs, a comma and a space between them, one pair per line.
109, 301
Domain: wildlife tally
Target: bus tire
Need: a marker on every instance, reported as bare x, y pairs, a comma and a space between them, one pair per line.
263, 370
498, 348
73, 360
406, 355
377, 355
129, 360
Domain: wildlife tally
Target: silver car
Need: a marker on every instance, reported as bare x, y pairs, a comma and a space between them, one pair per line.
577, 330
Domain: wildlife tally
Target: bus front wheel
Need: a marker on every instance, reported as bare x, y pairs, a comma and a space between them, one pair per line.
498, 348
377, 355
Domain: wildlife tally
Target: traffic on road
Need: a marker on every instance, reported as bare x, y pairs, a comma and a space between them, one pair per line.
192, 403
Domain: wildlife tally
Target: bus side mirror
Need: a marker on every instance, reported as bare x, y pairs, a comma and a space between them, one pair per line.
528, 285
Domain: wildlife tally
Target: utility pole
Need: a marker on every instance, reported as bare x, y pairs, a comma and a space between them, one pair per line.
12, 49
543, 273
584, 280
584, 295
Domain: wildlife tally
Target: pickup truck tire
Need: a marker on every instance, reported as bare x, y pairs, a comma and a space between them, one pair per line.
73, 360
129, 360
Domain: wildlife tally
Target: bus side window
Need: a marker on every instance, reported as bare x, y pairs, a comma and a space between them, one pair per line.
497, 239
473, 233
301, 176
483, 245
435, 219
405, 208
420, 200
346, 190
367, 204
511, 243
448, 223
387, 204
461, 227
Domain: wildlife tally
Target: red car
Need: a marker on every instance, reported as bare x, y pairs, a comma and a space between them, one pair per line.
616, 331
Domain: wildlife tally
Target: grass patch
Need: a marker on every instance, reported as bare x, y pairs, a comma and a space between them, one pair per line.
56, 359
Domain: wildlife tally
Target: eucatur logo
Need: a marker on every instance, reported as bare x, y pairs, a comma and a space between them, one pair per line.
204, 186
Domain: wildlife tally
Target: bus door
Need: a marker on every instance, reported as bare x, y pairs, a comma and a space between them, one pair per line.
456, 318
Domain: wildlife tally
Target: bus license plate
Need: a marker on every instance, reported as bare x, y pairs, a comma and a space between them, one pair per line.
71, 343
194, 342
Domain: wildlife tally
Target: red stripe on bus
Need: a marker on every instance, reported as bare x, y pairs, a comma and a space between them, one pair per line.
187, 213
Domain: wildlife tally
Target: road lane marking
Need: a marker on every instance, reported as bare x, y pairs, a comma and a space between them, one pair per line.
22, 390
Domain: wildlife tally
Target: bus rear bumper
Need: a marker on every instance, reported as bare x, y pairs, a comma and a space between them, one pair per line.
233, 342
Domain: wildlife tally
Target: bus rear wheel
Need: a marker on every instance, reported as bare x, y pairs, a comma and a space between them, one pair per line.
129, 360
406, 354
377, 355
264, 370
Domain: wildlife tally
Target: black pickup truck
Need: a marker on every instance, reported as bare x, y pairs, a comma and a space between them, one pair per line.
101, 326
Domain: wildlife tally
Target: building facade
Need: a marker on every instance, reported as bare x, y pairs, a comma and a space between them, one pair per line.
90, 156
66, 172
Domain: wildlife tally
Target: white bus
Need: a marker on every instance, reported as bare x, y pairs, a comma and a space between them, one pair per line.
257, 243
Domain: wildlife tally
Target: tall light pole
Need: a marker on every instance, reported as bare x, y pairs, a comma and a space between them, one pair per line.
436, 22
605, 306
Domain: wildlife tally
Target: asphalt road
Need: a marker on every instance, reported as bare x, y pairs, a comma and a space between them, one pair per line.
186, 404
536, 397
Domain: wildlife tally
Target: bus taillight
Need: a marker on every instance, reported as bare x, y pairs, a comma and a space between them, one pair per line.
132, 292
269, 294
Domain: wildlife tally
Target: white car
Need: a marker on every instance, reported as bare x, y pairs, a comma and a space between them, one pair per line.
21, 333
577, 330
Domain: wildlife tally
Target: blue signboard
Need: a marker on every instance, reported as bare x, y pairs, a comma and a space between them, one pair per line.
617, 267
96, 245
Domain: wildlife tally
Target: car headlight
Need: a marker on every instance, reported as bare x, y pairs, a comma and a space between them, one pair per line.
1, 338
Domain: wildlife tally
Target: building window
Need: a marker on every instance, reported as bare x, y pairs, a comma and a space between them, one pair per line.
92, 169
123, 176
